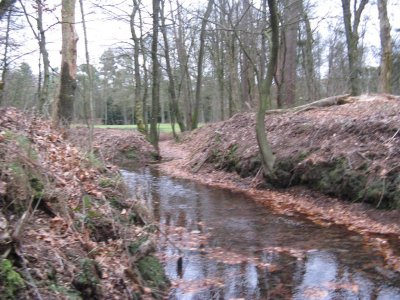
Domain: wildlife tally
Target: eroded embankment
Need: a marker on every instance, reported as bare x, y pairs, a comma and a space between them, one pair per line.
324, 136
350, 151
67, 229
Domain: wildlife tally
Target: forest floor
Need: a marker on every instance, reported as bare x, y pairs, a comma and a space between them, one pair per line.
68, 229
342, 144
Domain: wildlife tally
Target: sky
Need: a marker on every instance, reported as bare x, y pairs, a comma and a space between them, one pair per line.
105, 30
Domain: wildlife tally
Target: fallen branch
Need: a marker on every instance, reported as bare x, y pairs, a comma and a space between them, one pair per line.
330, 101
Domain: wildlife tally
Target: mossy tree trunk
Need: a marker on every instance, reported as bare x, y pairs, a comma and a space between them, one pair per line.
267, 157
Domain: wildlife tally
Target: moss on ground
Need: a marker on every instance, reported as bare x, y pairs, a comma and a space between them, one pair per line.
11, 281
87, 281
153, 273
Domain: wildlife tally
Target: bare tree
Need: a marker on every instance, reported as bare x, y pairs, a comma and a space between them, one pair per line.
175, 113
64, 106
140, 122
200, 60
267, 156
43, 87
308, 59
287, 66
184, 88
90, 78
352, 38
155, 101
386, 49
5, 57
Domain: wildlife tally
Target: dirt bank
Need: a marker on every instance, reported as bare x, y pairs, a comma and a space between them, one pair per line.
117, 147
325, 149
67, 228
351, 151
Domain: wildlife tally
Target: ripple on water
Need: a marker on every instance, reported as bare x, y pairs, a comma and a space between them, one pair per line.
235, 248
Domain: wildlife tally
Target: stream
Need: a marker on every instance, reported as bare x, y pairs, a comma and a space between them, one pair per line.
234, 248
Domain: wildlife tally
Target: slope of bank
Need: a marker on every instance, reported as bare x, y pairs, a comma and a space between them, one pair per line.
365, 132
67, 228
350, 151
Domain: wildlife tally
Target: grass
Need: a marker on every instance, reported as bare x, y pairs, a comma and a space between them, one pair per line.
164, 127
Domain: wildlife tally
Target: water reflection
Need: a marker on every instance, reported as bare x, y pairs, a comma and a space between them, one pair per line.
235, 248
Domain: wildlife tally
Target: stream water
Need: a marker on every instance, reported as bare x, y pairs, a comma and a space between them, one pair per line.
234, 248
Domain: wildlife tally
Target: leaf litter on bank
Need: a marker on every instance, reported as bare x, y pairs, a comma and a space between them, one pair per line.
69, 213
365, 130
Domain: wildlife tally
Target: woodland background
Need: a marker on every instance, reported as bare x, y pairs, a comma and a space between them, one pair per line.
209, 53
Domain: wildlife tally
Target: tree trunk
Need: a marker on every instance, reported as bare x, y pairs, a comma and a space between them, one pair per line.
44, 93
145, 84
287, 66
267, 156
352, 38
43, 89
155, 101
5, 58
232, 76
90, 79
200, 60
174, 107
386, 49
140, 123
64, 106
308, 59
185, 83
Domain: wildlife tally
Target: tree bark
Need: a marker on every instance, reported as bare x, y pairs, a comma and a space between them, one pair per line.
155, 101
287, 66
174, 107
200, 60
90, 79
64, 106
308, 59
5, 58
140, 122
352, 38
44, 93
43, 88
386, 49
185, 83
267, 156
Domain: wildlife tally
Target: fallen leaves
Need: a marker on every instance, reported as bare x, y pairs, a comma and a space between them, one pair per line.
73, 219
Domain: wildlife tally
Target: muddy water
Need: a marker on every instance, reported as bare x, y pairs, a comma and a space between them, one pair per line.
234, 248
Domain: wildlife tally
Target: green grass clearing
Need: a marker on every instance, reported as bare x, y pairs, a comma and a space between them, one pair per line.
164, 127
